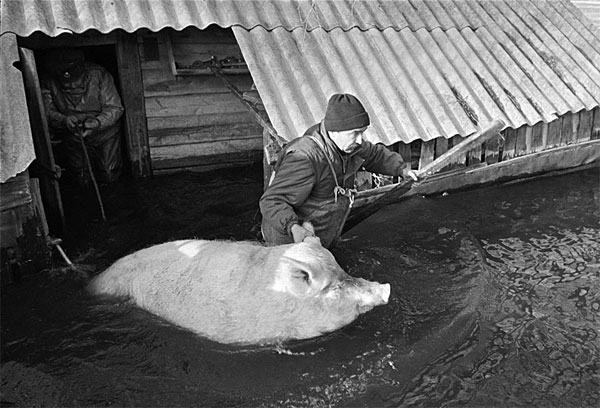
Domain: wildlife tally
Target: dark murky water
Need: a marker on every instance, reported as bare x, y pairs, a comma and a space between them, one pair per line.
495, 302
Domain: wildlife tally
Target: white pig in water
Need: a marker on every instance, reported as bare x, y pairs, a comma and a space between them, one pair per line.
243, 292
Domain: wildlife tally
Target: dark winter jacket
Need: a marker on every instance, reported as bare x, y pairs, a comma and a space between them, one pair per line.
303, 186
94, 94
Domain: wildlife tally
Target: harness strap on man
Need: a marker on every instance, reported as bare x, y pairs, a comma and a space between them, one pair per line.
338, 190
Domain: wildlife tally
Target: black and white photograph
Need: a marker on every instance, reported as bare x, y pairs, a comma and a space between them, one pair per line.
299, 203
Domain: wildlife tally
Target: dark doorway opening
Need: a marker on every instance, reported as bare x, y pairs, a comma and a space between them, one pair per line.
81, 205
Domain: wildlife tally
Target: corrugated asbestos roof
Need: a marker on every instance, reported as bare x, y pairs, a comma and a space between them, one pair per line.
422, 68
590, 9
522, 62
55, 17
16, 145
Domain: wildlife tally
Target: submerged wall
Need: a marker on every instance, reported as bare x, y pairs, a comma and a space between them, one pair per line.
194, 120
23, 230
570, 141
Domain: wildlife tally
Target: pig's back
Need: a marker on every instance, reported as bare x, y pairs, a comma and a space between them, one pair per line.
195, 284
119, 278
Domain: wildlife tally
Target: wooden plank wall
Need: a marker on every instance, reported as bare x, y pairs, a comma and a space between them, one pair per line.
568, 129
23, 228
194, 121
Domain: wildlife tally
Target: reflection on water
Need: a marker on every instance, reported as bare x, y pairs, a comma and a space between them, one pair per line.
537, 342
495, 302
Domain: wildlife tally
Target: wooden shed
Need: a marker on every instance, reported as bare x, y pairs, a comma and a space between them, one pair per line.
211, 84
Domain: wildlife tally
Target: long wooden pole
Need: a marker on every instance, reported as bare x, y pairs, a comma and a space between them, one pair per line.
264, 123
404, 186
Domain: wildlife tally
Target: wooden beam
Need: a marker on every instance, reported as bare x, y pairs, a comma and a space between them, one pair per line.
209, 162
474, 156
460, 161
554, 129
491, 150
405, 152
584, 133
566, 129
537, 139
441, 146
556, 159
132, 93
39, 40
203, 134
523, 134
257, 115
38, 206
529, 139
596, 124
574, 128
209, 148
427, 153
559, 158
44, 156
510, 140
170, 56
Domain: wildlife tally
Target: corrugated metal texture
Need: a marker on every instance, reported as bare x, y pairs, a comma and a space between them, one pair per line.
532, 61
54, 17
422, 68
16, 144
590, 9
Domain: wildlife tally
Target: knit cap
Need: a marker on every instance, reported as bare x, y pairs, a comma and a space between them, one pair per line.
345, 112
67, 63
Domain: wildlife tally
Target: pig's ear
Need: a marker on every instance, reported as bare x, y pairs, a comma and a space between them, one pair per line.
300, 270
303, 275
300, 277
299, 282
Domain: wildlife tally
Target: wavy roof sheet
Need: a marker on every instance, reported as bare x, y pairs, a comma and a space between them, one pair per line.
423, 69
16, 145
590, 9
55, 17
522, 62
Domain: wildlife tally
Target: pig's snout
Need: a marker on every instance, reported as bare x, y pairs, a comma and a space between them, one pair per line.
385, 292
373, 294
380, 294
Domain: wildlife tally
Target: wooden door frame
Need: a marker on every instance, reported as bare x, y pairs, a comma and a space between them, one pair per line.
132, 87
132, 94
44, 157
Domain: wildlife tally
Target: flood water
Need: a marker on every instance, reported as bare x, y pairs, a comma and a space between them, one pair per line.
495, 302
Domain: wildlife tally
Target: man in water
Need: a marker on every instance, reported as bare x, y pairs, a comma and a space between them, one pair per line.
315, 174
81, 100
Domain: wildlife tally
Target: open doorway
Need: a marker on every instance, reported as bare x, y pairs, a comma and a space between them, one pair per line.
94, 99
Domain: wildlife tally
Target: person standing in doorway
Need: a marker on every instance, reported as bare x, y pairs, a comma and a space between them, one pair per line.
315, 174
81, 101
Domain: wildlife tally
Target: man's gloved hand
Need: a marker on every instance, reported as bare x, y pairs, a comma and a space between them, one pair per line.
299, 233
408, 174
88, 133
71, 122
90, 126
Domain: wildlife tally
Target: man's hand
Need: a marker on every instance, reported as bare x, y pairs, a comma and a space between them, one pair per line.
299, 233
408, 174
88, 132
72, 122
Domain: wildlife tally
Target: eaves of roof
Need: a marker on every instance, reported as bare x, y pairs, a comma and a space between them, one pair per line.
424, 69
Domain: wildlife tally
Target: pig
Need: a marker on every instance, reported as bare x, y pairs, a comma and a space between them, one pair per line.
242, 292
